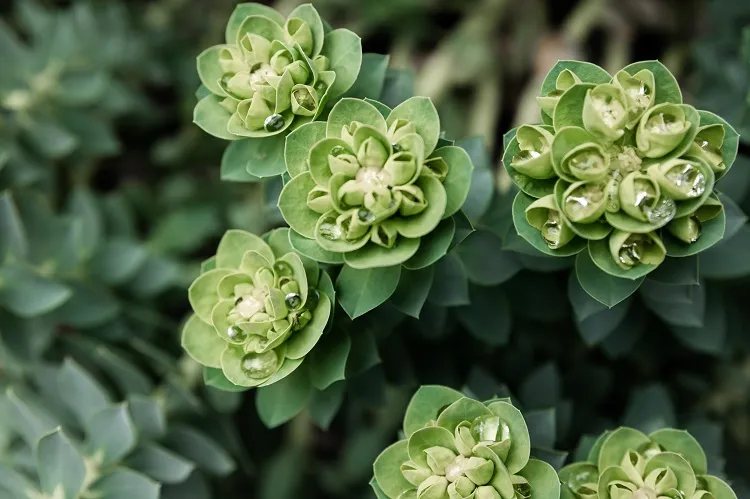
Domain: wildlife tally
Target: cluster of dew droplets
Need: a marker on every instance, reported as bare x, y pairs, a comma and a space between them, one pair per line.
631, 251
641, 94
690, 176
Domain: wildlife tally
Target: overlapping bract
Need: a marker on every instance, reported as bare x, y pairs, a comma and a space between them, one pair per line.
370, 182
622, 165
459, 448
627, 464
257, 310
273, 73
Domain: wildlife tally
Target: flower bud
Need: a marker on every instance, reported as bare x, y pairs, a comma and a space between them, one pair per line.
402, 167
629, 250
661, 129
661, 480
544, 215
435, 487
254, 112
319, 200
680, 179
465, 442
709, 209
479, 470
255, 49
585, 202
280, 60
586, 162
304, 100
413, 474
438, 458
412, 200
298, 71
339, 161
639, 195
625, 491
321, 63
565, 80
487, 492
372, 153
399, 128
639, 91
707, 146
436, 167
534, 158
231, 60
605, 112
461, 488
634, 465
299, 32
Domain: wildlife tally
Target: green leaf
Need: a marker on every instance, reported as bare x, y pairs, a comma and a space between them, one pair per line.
15, 483
209, 69
676, 305
585, 71
50, 139
534, 235
376, 256
13, 239
488, 316
482, 186
425, 406
244, 10
328, 359
398, 86
234, 163
712, 335
305, 339
421, 111
344, 51
413, 288
325, 404
667, 87
712, 231
650, 408
111, 434
348, 110
90, 306
484, 263
263, 157
364, 354
27, 419
369, 83
677, 271
82, 205
28, 294
433, 246
362, 290
731, 142
728, 259
387, 468
126, 484
160, 463
203, 294
569, 109
681, 442
311, 249
293, 206
602, 258
309, 14
83, 394
298, 145
235, 244
212, 118
603, 287
542, 478
148, 416
60, 465
200, 449
214, 377
281, 401
458, 181
450, 287
117, 261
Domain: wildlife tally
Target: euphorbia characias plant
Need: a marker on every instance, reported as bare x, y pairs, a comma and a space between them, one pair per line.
626, 463
273, 73
459, 448
258, 309
370, 182
620, 170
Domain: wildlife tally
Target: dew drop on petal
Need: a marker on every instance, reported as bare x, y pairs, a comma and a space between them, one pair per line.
330, 231
293, 300
274, 123
337, 151
663, 212
260, 365
236, 333
365, 215
689, 176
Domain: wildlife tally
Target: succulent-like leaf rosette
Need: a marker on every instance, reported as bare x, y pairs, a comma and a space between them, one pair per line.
619, 165
258, 310
459, 448
627, 464
370, 183
273, 73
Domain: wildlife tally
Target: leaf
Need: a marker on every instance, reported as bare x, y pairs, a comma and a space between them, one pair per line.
542, 388
83, 394
244, 10
111, 434
82, 205
488, 316
650, 409
363, 355
604, 288
668, 89
344, 51
347, 110
602, 258
413, 288
281, 401
676, 305
28, 420
422, 113
398, 86
309, 14
328, 359
148, 416
209, 69
15, 483
450, 287
126, 484
360, 291
484, 262
534, 236
263, 157
160, 463
212, 118
311, 249
215, 378
728, 259
711, 337
198, 448
458, 181
325, 404
598, 327
425, 406
28, 294
585, 71
387, 468
293, 205
711, 232
60, 465
371, 77
234, 163
50, 139
298, 145
118, 260
202, 342
677, 271
376, 256
90, 306
13, 239
542, 429
542, 478
433, 246
482, 186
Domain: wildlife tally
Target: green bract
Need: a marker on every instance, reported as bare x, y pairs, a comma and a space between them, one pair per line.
459, 448
620, 165
369, 186
627, 464
257, 312
273, 73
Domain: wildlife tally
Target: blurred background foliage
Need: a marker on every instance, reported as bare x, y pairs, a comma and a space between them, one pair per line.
110, 198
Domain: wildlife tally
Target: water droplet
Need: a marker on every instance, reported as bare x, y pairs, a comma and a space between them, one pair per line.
486, 428
260, 365
629, 253
321, 87
225, 79
236, 333
283, 269
330, 231
338, 151
582, 200
304, 99
397, 147
664, 123
694, 228
274, 123
688, 175
293, 300
706, 146
552, 228
525, 155
523, 490
585, 161
664, 211
366, 216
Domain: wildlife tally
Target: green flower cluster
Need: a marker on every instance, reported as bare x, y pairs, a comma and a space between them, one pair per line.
622, 165
627, 464
371, 182
273, 73
257, 312
459, 448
